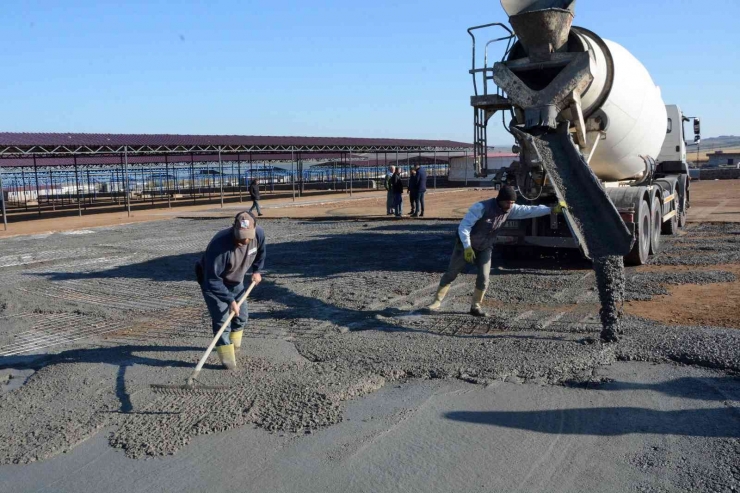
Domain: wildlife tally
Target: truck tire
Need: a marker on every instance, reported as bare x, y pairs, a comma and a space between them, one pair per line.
656, 215
641, 249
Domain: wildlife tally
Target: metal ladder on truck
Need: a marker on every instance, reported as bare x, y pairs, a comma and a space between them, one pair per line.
486, 104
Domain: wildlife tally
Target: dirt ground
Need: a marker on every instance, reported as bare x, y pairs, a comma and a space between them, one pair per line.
715, 201
346, 383
711, 304
440, 204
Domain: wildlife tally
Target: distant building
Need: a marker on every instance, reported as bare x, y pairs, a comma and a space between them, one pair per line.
720, 158
462, 168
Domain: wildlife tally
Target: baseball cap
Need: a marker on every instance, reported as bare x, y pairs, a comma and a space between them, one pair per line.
244, 226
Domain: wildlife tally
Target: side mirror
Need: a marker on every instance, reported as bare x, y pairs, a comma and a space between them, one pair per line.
697, 126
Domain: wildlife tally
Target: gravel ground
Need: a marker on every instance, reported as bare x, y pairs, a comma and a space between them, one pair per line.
643, 286
705, 244
117, 310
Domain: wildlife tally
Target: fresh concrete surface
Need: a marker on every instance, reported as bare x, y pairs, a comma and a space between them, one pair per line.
647, 428
345, 383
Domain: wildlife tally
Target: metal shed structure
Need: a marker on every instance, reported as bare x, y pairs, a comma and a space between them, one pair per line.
47, 171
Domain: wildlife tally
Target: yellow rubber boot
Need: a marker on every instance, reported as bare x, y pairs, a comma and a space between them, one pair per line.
227, 356
476, 307
441, 293
236, 339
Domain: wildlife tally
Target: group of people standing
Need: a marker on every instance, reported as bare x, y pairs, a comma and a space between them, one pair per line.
417, 188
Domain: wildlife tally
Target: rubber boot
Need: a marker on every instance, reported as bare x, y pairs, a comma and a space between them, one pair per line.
227, 356
236, 339
476, 309
440, 296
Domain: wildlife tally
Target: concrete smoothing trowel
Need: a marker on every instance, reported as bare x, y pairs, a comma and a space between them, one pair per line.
192, 383
592, 218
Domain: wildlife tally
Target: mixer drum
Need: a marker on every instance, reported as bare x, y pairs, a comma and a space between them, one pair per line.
622, 95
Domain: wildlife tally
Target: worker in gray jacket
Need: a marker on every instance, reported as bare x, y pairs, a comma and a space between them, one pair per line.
475, 239
221, 272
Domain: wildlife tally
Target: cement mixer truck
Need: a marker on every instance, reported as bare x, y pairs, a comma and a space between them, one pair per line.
591, 129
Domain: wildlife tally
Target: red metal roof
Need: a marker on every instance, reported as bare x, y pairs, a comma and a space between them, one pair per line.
83, 139
172, 159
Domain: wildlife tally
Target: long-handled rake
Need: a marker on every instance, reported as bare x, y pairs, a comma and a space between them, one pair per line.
192, 380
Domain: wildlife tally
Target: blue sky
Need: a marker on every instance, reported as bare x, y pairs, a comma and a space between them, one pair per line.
323, 68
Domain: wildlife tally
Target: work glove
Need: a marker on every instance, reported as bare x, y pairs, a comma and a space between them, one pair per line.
557, 209
469, 255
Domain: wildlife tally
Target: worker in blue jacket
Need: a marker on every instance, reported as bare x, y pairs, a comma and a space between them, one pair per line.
221, 273
476, 236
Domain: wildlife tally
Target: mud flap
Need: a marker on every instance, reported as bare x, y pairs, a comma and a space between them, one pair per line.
591, 216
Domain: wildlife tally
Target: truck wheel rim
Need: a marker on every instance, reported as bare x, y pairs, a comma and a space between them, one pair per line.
656, 221
645, 235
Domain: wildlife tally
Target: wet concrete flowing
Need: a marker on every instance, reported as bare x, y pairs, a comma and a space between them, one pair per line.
610, 281
595, 221
336, 318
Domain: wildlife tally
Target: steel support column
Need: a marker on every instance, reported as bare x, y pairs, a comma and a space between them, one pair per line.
126, 184
192, 177
77, 184
167, 181
38, 195
238, 174
54, 198
292, 171
25, 197
435, 169
88, 189
221, 172
2, 200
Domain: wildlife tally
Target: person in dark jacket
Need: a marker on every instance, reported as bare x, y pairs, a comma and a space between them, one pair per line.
222, 270
397, 187
413, 198
254, 194
421, 190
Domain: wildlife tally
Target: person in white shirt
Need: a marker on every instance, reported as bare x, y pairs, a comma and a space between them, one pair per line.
476, 236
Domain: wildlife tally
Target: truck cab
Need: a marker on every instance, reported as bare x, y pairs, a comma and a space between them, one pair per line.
672, 157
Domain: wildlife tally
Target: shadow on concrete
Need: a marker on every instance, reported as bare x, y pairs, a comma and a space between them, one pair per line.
611, 421
122, 356
614, 421
706, 389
